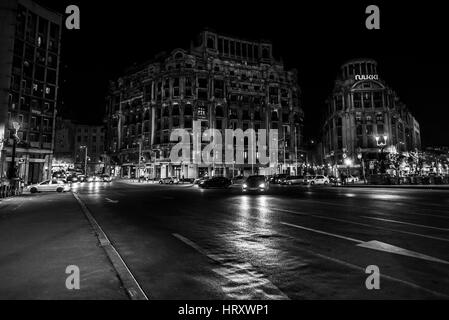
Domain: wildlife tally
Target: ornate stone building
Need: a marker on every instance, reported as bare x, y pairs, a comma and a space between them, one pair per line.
224, 82
365, 117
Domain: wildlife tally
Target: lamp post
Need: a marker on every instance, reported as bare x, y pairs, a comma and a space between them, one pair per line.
140, 157
85, 159
12, 169
360, 157
348, 163
382, 145
154, 162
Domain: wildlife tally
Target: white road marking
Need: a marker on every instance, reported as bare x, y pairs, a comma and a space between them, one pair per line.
382, 275
382, 246
351, 206
361, 224
407, 223
246, 282
322, 232
112, 201
374, 244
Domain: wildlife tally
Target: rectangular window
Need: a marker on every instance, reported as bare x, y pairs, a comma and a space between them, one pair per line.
357, 100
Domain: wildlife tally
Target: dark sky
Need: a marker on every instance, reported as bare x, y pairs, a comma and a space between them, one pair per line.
411, 48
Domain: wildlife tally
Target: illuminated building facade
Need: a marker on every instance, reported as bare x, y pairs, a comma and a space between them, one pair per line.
222, 81
30, 38
365, 117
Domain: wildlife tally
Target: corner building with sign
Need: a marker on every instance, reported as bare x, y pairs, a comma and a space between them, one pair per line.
365, 116
222, 81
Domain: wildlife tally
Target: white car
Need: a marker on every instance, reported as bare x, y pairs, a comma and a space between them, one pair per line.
318, 180
49, 185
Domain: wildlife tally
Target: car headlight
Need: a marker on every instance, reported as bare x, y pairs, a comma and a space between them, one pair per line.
245, 185
262, 185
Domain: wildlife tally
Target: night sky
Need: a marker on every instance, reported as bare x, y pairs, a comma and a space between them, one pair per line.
411, 48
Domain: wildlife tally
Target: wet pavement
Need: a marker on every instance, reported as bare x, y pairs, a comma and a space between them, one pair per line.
294, 242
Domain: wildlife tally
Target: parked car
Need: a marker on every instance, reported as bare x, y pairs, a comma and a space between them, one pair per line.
352, 179
215, 182
238, 180
81, 178
106, 178
319, 179
169, 180
334, 180
277, 178
294, 180
255, 183
49, 185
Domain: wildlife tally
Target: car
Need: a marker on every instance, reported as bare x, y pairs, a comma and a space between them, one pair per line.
293, 180
81, 178
239, 180
277, 178
334, 180
49, 185
215, 182
319, 179
169, 180
72, 178
106, 178
198, 180
352, 179
256, 183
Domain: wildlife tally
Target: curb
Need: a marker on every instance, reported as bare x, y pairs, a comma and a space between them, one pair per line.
395, 187
132, 287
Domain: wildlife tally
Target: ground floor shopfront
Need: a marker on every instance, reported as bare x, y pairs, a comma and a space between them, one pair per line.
32, 165
188, 171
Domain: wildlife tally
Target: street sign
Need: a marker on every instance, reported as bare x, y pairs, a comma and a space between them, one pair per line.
344, 155
371, 165
21, 160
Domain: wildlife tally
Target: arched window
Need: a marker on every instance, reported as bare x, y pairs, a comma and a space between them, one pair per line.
175, 110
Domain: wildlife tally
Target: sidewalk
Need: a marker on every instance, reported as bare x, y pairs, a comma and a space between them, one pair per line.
42, 234
396, 186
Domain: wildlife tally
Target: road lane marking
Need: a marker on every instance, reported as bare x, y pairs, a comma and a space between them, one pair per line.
322, 232
374, 245
382, 275
351, 206
407, 223
112, 201
382, 246
246, 282
361, 224
128, 280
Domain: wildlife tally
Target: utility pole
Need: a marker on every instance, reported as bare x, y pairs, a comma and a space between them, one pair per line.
296, 151
85, 160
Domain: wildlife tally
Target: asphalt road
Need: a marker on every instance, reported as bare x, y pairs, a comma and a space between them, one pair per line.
182, 242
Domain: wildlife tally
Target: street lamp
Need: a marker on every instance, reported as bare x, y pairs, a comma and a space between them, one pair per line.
85, 159
12, 169
382, 145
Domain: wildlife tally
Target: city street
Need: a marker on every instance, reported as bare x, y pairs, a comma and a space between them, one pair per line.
300, 242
